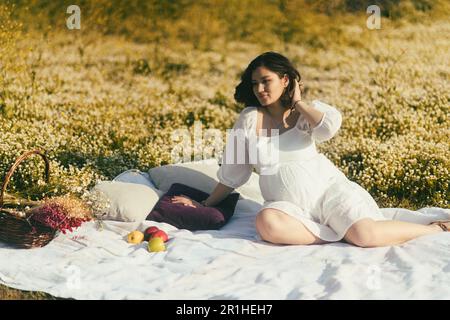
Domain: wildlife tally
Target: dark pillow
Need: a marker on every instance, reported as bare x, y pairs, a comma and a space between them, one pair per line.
186, 217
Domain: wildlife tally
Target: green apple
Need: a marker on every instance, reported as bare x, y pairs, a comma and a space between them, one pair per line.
156, 245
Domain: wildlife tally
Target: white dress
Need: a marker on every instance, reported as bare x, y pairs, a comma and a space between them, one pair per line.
294, 177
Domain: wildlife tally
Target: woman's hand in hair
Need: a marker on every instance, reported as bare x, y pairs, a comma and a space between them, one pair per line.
296, 96
297, 92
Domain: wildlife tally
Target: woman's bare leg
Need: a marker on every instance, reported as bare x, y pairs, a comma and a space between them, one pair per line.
370, 233
277, 227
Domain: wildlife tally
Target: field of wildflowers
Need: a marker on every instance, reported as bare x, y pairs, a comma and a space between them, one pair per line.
106, 98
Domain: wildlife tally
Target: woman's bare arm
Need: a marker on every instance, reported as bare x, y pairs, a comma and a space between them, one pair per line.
219, 193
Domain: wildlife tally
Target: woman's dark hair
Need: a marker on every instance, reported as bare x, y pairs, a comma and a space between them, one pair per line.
275, 62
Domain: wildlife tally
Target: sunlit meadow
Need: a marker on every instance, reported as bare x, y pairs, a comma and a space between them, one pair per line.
106, 98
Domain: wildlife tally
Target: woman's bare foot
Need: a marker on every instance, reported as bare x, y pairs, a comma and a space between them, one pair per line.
443, 225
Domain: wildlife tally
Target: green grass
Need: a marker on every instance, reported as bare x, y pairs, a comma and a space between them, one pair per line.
7, 293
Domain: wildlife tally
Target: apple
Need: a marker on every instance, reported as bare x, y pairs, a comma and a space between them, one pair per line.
161, 234
135, 237
156, 245
149, 231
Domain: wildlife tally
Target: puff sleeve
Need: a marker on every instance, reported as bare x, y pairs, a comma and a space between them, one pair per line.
235, 167
328, 125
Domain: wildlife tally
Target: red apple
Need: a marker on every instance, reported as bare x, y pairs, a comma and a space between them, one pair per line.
160, 234
149, 232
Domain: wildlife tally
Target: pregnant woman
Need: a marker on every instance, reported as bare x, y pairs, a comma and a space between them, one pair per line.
308, 200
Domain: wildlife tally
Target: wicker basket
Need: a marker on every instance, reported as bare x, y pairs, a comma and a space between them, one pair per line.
16, 227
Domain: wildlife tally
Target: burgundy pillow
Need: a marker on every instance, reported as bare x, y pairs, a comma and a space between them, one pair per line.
186, 217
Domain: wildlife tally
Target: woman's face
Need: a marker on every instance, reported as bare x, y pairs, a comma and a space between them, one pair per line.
268, 86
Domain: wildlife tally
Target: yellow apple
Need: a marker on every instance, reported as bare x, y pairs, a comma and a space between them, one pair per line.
135, 237
156, 245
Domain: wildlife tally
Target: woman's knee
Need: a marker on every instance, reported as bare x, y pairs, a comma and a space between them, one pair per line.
362, 234
268, 224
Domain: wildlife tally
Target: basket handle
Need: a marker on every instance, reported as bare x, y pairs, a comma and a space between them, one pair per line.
16, 164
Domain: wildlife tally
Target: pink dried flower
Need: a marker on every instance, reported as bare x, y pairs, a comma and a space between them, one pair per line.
62, 213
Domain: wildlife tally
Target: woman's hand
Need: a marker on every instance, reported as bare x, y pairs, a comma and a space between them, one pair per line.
297, 93
185, 200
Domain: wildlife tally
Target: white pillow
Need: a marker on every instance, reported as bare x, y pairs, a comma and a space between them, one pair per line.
201, 175
129, 202
138, 177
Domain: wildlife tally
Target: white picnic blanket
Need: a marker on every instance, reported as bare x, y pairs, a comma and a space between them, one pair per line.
230, 263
